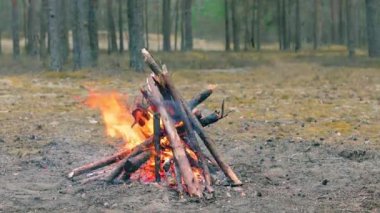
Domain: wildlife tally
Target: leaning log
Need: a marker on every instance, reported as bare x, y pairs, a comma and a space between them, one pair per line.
156, 139
175, 142
134, 163
199, 98
209, 143
105, 161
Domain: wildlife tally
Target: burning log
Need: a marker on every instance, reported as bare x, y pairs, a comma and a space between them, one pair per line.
108, 160
162, 127
166, 81
134, 163
156, 139
177, 146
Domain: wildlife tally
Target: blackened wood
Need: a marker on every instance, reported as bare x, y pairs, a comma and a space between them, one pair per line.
135, 151
165, 81
156, 139
134, 163
175, 141
227, 170
195, 101
205, 138
108, 160
183, 107
209, 119
178, 179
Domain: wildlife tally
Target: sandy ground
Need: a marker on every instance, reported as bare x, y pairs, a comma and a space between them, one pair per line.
303, 137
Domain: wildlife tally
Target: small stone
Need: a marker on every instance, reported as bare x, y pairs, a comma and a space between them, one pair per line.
324, 182
258, 194
228, 194
106, 204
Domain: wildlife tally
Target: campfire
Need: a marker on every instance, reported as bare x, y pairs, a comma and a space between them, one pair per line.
160, 134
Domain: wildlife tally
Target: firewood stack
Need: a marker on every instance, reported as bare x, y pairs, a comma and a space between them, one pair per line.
179, 123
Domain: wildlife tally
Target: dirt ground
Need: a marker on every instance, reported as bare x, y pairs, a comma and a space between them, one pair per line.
303, 136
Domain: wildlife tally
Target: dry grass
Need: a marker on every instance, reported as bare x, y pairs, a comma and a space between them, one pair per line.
288, 96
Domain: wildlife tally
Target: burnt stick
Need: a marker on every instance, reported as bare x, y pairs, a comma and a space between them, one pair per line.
104, 162
199, 98
156, 139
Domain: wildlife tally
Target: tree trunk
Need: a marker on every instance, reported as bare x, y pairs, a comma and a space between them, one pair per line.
253, 24
176, 25
297, 46
246, 25
188, 29
182, 25
120, 22
75, 27
280, 25
81, 36
342, 22
166, 25
32, 32
111, 35
158, 31
235, 26
373, 27
284, 20
56, 46
317, 24
351, 27
44, 17
93, 30
227, 25
15, 29
334, 20
136, 34
146, 26
24, 22
258, 24
64, 31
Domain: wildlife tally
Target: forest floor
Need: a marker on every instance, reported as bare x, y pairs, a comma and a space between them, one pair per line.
303, 135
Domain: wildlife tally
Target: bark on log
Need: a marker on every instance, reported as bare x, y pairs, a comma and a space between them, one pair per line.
209, 119
135, 151
165, 80
199, 98
183, 108
108, 160
134, 163
176, 144
156, 139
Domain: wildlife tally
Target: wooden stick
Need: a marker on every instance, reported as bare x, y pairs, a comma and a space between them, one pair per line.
209, 119
227, 170
164, 80
134, 163
104, 162
205, 137
178, 179
119, 166
156, 139
175, 142
177, 97
199, 98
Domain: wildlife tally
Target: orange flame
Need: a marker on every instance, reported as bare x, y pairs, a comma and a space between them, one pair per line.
118, 119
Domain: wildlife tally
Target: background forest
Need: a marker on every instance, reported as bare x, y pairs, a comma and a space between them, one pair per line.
75, 32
